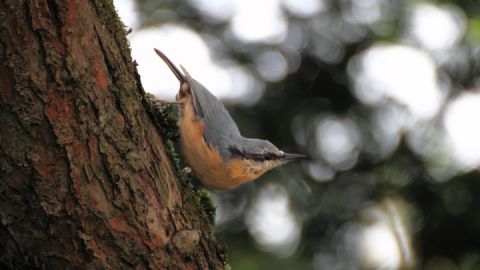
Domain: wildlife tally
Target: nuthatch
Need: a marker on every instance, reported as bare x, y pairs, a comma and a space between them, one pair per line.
211, 141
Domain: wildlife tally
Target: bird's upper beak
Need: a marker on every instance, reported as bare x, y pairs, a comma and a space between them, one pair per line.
287, 157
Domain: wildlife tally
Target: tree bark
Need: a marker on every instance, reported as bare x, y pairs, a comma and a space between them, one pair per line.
86, 178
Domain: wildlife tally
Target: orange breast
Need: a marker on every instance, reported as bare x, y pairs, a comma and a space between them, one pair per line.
206, 162
241, 172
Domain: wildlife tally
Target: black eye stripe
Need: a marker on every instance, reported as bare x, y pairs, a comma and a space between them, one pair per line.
257, 157
236, 152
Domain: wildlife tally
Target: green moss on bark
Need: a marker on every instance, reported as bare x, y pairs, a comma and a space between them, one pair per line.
166, 121
106, 12
205, 205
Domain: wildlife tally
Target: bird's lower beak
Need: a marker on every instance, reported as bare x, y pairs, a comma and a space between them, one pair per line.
291, 157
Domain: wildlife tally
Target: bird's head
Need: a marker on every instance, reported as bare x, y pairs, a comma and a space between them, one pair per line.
261, 155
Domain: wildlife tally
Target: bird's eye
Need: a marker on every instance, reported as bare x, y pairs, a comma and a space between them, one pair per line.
268, 155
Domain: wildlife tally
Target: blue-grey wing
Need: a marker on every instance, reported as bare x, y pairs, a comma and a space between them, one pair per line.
221, 131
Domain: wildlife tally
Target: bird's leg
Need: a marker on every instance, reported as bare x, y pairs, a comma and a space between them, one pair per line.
162, 103
186, 173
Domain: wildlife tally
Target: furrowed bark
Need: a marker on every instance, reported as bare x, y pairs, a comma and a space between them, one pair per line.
85, 178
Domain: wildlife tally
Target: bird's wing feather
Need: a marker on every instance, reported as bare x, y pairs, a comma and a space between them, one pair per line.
221, 131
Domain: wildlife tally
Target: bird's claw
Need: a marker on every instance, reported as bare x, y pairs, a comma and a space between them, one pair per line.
160, 103
186, 172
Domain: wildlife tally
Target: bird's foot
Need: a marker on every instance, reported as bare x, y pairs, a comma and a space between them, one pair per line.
160, 103
186, 173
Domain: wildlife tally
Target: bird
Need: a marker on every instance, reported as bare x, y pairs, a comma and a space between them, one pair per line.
211, 142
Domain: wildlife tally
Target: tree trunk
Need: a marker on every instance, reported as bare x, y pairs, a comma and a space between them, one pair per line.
86, 180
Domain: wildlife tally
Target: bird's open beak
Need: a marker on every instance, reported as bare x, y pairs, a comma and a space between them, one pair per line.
291, 157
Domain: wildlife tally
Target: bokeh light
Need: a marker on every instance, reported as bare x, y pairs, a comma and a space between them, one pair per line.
436, 28
384, 241
379, 247
258, 21
271, 222
221, 10
319, 171
463, 135
305, 8
338, 141
401, 73
272, 65
387, 125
